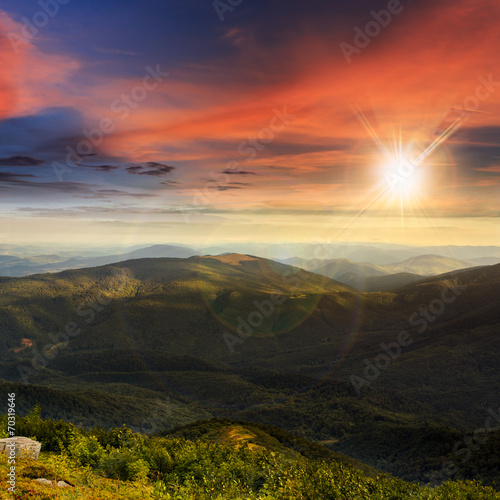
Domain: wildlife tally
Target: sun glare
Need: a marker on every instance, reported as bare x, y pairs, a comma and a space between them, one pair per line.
402, 178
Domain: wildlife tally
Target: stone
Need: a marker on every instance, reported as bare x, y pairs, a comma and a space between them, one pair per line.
63, 484
24, 447
44, 481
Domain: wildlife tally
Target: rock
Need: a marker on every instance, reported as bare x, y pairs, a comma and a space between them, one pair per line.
62, 484
44, 481
23, 446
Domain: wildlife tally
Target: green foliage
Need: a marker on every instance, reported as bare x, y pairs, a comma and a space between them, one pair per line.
54, 435
124, 465
86, 450
35, 415
168, 468
36, 469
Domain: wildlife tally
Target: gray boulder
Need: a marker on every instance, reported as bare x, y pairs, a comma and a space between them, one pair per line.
44, 481
21, 447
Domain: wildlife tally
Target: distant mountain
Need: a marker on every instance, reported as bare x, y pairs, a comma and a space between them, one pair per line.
372, 253
25, 266
338, 269
462, 252
358, 253
344, 270
371, 277
427, 265
26, 260
485, 261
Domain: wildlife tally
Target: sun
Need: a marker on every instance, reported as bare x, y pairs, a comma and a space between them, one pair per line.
402, 178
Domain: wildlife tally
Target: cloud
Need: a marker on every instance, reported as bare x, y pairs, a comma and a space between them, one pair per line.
20, 161
116, 52
45, 133
230, 171
102, 168
34, 78
170, 183
494, 169
19, 181
227, 188
105, 193
151, 168
10, 178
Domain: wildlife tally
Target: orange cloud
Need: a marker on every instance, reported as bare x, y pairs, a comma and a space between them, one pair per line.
32, 79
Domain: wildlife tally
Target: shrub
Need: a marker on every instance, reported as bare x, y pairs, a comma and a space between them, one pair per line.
55, 435
87, 451
35, 470
125, 465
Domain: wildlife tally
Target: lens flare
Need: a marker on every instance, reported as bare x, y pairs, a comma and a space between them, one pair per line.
403, 178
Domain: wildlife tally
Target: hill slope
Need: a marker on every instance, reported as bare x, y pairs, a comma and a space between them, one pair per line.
217, 462
250, 338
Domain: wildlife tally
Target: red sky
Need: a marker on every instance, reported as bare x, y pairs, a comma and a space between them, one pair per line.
318, 170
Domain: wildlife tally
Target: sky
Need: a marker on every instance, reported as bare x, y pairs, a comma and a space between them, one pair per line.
201, 122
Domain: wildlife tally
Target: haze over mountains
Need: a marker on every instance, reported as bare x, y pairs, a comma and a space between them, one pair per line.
251, 338
353, 264
372, 277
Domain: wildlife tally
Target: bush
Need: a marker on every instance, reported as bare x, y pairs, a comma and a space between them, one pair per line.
159, 459
87, 451
55, 435
125, 466
36, 470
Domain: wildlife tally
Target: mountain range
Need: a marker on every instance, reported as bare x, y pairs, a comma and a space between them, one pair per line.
372, 277
250, 338
373, 260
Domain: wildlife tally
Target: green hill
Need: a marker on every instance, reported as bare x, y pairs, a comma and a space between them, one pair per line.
241, 337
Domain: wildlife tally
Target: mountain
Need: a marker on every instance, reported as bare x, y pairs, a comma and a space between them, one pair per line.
371, 277
164, 297
11, 265
342, 269
250, 338
485, 261
462, 252
363, 253
385, 283
427, 265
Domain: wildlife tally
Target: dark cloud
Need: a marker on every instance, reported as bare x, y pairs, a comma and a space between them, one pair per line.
105, 193
8, 177
20, 161
479, 135
170, 183
135, 170
116, 52
151, 168
102, 168
231, 171
47, 132
24, 183
227, 188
